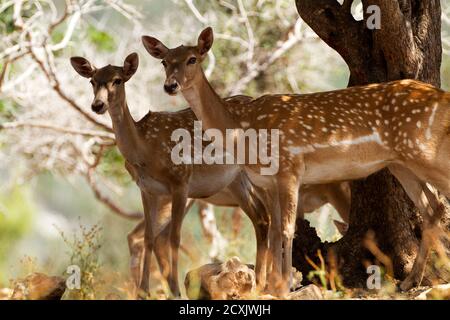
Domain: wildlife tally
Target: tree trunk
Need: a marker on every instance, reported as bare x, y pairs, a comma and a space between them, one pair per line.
408, 45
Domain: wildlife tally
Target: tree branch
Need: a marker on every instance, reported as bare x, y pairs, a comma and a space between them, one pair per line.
255, 69
3, 73
195, 11
335, 25
107, 201
41, 125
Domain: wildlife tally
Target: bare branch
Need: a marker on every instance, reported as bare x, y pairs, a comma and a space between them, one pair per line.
48, 126
3, 73
124, 9
195, 11
294, 36
69, 32
335, 25
108, 202
225, 36
250, 34
61, 19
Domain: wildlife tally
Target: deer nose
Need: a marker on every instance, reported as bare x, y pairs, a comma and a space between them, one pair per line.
97, 105
171, 88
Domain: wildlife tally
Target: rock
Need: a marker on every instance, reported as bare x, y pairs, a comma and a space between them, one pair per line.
309, 292
221, 281
38, 286
5, 293
439, 292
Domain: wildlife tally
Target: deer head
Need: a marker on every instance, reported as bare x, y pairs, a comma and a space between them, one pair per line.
182, 64
108, 82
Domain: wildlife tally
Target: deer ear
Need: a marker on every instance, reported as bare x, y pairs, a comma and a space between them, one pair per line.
155, 47
130, 65
205, 41
82, 66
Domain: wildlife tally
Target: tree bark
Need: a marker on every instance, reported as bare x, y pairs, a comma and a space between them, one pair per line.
408, 45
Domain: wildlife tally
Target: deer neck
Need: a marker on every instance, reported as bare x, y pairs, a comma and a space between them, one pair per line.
125, 130
208, 106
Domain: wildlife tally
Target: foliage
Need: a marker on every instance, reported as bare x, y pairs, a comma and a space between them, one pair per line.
113, 165
102, 40
6, 21
84, 246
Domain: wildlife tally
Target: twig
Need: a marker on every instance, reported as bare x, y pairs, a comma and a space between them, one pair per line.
228, 37
61, 19
68, 35
250, 34
107, 201
195, 11
257, 68
33, 124
3, 73
370, 244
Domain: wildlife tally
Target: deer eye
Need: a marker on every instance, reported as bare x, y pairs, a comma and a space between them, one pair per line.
164, 63
117, 82
192, 60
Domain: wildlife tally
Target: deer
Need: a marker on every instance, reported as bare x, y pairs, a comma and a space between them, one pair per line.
145, 145
326, 137
165, 187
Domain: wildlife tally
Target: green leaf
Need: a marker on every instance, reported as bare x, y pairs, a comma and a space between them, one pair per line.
102, 40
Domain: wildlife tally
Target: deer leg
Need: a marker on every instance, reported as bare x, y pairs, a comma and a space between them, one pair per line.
179, 200
150, 204
288, 195
256, 210
339, 198
137, 252
162, 244
162, 253
431, 211
276, 245
262, 247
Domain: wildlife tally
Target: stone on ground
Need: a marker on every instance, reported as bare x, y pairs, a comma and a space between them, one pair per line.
231, 280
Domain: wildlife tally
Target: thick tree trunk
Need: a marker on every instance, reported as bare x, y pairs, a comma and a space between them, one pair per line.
408, 45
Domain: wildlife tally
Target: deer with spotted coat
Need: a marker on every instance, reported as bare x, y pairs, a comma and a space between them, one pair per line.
327, 137
165, 187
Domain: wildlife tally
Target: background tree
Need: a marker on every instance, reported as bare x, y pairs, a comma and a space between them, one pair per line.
385, 227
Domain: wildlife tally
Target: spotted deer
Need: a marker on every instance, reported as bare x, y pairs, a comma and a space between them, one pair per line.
327, 137
146, 146
165, 188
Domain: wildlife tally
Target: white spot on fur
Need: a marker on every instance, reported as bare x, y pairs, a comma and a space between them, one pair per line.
431, 121
245, 124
